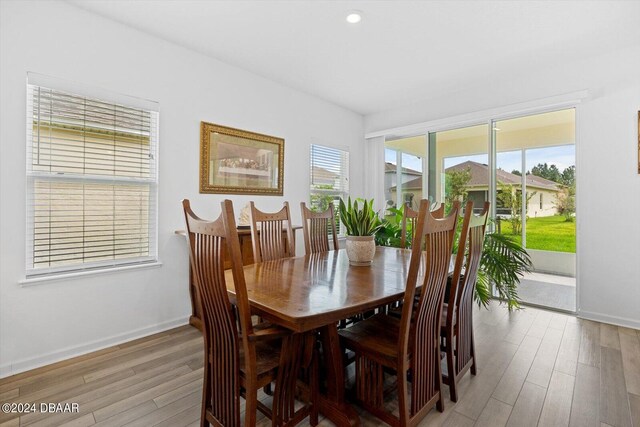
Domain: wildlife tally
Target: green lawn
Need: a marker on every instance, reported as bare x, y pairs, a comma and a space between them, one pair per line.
551, 233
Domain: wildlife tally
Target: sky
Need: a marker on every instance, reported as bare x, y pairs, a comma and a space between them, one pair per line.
408, 161
561, 156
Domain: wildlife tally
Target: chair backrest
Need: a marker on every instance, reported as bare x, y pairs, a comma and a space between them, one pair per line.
463, 281
210, 242
316, 227
266, 234
420, 325
409, 218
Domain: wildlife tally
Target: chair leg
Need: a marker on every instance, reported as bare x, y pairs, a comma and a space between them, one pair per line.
440, 404
268, 390
474, 368
205, 394
451, 373
403, 399
438, 378
453, 389
203, 415
251, 405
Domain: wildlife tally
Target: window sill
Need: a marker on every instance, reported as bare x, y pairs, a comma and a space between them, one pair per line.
33, 281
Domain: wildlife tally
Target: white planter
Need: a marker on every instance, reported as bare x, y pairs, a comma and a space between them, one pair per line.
360, 249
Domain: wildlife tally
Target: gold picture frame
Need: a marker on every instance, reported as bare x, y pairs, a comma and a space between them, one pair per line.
234, 161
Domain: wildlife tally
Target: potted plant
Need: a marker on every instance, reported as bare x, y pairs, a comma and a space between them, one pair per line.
361, 223
502, 264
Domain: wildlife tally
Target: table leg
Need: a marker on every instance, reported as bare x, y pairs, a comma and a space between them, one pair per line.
333, 405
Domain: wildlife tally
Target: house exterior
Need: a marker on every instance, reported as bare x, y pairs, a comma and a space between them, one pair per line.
324, 177
542, 203
391, 180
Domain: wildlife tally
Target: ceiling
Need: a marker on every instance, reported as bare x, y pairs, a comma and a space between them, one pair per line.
533, 131
401, 53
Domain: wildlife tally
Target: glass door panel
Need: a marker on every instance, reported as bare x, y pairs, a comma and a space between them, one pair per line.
535, 201
404, 164
459, 166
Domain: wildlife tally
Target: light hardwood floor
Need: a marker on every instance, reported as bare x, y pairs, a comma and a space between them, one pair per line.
534, 368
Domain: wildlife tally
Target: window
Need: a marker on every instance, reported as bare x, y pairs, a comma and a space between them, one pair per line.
541, 202
329, 178
92, 182
403, 177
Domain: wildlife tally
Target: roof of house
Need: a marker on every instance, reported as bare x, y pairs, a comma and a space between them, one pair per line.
321, 175
480, 178
322, 172
392, 168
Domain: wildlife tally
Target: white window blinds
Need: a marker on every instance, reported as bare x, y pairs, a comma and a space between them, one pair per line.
92, 182
329, 177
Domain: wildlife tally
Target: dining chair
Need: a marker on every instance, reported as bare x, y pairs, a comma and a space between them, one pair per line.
240, 358
316, 227
409, 217
457, 316
408, 346
267, 234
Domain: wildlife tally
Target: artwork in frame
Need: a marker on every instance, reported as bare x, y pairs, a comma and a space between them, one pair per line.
234, 161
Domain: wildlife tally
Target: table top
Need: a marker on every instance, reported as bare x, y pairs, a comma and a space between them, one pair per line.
307, 292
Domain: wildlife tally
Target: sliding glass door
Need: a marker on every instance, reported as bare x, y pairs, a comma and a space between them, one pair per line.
525, 167
535, 201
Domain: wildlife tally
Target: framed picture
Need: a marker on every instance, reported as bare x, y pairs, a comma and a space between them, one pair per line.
234, 161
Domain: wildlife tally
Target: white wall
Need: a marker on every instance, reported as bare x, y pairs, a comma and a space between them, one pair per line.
608, 185
44, 323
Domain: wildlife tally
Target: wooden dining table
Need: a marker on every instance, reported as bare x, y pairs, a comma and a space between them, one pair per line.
314, 292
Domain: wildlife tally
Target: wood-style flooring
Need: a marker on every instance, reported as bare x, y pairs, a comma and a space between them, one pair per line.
534, 368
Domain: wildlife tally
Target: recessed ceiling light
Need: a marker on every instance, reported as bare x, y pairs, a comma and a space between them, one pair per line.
354, 17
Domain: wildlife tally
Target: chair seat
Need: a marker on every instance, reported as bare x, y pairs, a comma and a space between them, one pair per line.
376, 337
267, 360
397, 314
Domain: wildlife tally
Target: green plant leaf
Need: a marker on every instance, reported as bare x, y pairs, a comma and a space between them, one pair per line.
502, 264
359, 220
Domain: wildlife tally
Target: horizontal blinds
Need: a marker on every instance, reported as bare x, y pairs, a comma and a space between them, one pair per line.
75, 135
92, 180
329, 169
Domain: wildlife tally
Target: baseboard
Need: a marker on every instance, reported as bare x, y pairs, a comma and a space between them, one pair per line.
605, 318
69, 352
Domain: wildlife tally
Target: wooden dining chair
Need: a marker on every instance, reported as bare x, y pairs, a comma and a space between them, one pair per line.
267, 234
316, 227
241, 358
457, 316
409, 218
409, 346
